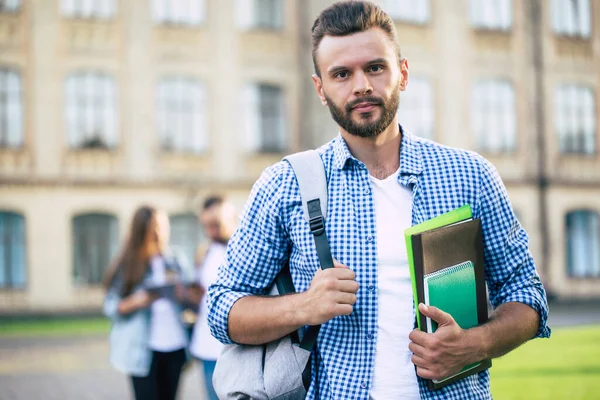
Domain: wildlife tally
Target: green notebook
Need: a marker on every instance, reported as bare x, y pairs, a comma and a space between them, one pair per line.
453, 289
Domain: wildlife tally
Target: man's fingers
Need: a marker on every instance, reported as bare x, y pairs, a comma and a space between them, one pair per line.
425, 373
348, 286
345, 298
340, 273
417, 349
439, 316
419, 361
420, 338
337, 264
344, 309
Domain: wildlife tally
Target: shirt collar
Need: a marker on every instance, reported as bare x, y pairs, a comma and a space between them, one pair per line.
411, 162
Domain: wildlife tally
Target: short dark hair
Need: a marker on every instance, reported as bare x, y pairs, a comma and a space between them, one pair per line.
214, 200
347, 17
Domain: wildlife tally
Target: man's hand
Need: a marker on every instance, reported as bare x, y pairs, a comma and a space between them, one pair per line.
332, 292
446, 351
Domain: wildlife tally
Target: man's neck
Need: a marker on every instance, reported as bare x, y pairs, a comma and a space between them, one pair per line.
380, 154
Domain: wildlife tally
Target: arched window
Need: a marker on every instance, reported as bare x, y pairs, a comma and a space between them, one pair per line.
95, 241
186, 234
583, 244
13, 263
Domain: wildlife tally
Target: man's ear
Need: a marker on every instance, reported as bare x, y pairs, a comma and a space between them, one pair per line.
319, 88
403, 64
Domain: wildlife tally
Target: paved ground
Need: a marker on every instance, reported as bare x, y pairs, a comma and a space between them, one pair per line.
65, 369
77, 369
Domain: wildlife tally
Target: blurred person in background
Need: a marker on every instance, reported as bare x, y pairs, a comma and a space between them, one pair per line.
219, 220
147, 340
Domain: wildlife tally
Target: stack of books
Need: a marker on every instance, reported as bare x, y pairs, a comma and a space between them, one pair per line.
445, 256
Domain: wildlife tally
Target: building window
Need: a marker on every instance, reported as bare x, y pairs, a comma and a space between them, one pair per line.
413, 11
260, 14
179, 12
182, 114
9, 6
493, 116
574, 110
583, 244
95, 241
571, 17
186, 235
491, 14
415, 112
11, 111
89, 9
91, 112
13, 265
265, 120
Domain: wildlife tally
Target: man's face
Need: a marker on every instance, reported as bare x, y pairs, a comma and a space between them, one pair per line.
219, 222
361, 80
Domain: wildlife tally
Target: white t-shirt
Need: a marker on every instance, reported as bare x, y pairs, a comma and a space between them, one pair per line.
166, 331
204, 346
394, 373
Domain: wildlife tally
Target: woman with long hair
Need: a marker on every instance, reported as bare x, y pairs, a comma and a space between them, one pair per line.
147, 338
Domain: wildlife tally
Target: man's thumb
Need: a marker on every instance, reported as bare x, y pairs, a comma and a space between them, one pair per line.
439, 316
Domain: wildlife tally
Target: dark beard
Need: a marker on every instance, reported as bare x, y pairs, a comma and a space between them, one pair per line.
370, 129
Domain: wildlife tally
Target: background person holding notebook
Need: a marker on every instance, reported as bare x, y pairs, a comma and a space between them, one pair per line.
381, 180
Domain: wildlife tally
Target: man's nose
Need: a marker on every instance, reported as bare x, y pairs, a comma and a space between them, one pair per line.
362, 86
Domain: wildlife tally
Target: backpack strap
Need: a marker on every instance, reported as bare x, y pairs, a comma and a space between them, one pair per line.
312, 181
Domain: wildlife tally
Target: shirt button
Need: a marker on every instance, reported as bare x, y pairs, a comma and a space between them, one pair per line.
363, 384
367, 191
371, 287
369, 336
369, 239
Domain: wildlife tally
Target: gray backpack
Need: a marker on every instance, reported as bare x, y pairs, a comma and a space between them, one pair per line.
281, 369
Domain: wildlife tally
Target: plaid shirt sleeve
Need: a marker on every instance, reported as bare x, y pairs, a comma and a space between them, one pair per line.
255, 253
510, 270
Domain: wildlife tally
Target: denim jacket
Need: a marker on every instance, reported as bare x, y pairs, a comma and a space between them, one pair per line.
129, 334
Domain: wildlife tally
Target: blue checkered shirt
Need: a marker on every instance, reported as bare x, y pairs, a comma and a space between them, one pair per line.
273, 230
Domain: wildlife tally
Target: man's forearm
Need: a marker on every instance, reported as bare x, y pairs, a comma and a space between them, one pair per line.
261, 319
510, 325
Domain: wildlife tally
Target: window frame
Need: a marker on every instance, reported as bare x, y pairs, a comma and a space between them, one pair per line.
166, 13
571, 115
91, 99
585, 242
18, 224
562, 25
479, 13
8, 100
494, 104
15, 10
395, 8
80, 276
99, 10
180, 99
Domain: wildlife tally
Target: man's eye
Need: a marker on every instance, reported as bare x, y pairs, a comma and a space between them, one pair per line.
342, 75
376, 68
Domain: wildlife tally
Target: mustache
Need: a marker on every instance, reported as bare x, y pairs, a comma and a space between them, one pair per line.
367, 99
